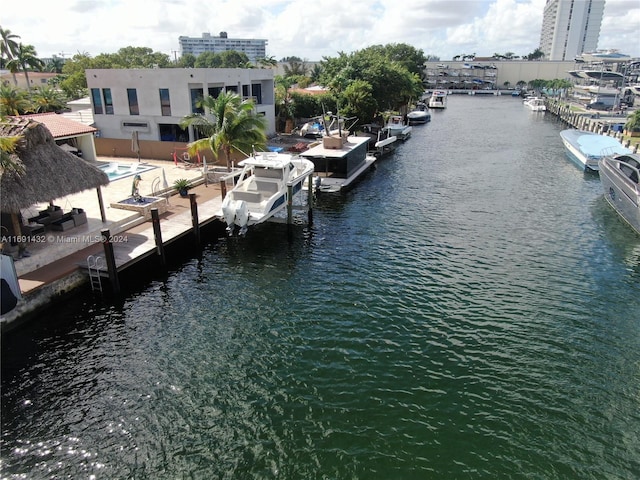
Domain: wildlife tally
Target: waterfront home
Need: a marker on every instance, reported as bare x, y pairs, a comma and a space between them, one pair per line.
152, 103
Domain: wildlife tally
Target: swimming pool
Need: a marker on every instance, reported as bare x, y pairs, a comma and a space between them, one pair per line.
116, 171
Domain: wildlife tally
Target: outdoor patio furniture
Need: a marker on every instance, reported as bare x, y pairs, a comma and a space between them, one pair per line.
65, 222
33, 229
45, 217
79, 216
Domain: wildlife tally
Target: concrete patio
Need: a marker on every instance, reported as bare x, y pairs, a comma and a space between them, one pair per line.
53, 245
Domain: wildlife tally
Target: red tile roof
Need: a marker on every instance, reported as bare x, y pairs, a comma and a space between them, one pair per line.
60, 126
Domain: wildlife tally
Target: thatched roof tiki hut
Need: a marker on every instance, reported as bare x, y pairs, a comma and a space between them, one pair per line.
49, 171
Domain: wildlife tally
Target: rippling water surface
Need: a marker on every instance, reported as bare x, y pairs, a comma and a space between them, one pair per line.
470, 310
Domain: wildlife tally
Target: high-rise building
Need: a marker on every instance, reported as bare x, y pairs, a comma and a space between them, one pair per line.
252, 48
570, 27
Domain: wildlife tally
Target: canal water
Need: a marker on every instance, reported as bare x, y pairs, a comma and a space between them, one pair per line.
471, 309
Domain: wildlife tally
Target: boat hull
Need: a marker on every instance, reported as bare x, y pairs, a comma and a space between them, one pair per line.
438, 100
621, 192
418, 117
585, 149
535, 104
259, 196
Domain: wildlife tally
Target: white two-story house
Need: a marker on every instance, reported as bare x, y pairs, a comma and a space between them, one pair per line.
152, 102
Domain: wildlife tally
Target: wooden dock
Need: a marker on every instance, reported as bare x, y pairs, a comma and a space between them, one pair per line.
130, 247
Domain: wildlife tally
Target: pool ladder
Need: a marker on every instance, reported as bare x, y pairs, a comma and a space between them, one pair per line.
95, 266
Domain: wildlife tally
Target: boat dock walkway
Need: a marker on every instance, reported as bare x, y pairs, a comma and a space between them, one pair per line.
135, 243
59, 264
139, 242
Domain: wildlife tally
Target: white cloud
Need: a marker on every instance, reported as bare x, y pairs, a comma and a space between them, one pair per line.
305, 29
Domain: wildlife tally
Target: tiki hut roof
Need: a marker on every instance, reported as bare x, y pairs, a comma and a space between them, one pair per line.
50, 172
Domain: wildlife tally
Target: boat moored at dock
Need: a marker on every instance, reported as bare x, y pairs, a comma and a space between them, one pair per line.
339, 160
396, 127
587, 148
535, 104
420, 114
266, 181
620, 176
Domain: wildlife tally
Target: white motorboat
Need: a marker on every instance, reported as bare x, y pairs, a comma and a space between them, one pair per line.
385, 144
419, 115
438, 99
265, 183
619, 175
587, 148
397, 128
339, 160
535, 104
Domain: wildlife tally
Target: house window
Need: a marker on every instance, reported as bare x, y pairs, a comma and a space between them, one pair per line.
214, 91
108, 101
132, 95
256, 92
165, 102
232, 88
172, 133
97, 101
196, 98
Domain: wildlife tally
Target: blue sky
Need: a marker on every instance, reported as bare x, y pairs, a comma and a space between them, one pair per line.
308, 30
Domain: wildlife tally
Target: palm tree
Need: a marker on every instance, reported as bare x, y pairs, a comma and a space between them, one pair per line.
47, 99
12, 163
284, 103
8, 49
8, 146
25, 58
268, 62
9, 46
13, 101
234, 126
55, 64
295, 68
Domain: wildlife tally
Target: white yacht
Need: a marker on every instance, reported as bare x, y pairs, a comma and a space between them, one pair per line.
535, 104
265, 183
420, 114
396, 127
619, 175
438, 99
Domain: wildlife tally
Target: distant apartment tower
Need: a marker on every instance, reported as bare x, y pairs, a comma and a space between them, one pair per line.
251, 47
570, 27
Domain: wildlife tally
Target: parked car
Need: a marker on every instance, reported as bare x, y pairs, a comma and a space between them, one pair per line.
599, 106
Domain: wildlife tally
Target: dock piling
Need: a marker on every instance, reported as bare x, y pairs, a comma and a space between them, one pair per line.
194, 218
157, 233
310, 202
289, 204
223, 187
111, 260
